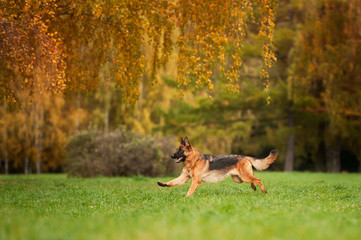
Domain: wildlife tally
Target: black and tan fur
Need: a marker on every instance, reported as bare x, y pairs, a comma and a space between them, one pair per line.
208, 168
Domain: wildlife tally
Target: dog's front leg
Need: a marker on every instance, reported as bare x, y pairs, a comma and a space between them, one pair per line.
196, 181
182, 179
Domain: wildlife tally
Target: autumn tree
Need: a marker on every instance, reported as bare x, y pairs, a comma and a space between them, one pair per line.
30, 55
39, 35
325, 77
4, 142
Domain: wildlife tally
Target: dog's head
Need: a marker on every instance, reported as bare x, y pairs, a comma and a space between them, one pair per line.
182, 151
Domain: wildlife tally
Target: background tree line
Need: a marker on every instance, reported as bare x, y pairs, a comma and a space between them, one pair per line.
126, 64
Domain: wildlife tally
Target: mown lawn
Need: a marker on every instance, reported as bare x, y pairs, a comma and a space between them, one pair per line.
297, 206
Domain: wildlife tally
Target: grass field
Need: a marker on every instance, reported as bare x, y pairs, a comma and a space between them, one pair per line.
297, 206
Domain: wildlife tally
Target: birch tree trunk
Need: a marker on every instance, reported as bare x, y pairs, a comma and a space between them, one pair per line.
26, 165
26, 147
6, 158
334, 157
39, 117
290, 152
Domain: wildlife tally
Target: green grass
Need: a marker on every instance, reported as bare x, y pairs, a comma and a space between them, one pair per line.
297, 206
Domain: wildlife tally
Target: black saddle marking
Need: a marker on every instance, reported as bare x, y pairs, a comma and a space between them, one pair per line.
221, 161
208, 157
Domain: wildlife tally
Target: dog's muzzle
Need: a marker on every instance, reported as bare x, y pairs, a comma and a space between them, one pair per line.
181, 159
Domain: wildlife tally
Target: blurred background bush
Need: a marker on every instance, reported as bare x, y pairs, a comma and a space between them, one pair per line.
118, 153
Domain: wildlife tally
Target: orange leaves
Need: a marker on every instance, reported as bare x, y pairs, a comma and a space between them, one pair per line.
97, 10
210, 37
58, 43
33, 55
267, 17
212, 31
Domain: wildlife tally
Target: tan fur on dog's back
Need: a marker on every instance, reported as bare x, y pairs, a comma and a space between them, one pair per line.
262, 164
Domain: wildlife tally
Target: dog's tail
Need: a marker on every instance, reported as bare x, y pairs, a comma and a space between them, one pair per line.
262, 164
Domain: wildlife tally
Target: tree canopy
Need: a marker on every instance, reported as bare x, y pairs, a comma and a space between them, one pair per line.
57, 46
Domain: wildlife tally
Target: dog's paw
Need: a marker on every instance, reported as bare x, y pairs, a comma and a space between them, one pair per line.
162, 184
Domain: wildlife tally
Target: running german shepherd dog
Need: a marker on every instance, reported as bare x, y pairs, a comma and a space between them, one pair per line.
211, 169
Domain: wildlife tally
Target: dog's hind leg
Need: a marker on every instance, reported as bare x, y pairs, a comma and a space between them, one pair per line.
237, 179
252, 185
245, 173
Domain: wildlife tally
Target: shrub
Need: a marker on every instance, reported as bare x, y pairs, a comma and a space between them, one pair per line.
119, 153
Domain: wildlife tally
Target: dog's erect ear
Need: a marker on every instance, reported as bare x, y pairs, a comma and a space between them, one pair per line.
182, 141
187, 143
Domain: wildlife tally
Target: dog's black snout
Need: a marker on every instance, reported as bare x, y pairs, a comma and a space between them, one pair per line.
172, 156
